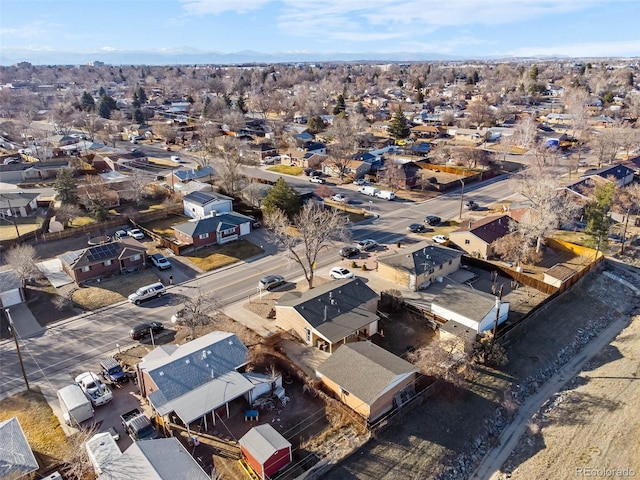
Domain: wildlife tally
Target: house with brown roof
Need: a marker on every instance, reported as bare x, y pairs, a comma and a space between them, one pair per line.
368, 378
478, 238
124, 161
330, 315
418, 265
104, 260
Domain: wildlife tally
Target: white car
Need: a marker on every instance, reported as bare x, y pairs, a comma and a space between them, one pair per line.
136, 233
441, 239
317, 180
341, 272
339, 197
94, 389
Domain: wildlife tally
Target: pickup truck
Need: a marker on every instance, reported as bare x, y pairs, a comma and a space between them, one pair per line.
138, 426
94, 389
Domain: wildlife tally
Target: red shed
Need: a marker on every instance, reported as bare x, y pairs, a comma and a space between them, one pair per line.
266, 450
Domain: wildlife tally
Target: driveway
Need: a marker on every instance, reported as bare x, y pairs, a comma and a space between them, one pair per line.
52, 269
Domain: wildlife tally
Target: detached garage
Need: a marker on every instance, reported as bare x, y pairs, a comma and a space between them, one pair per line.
11, 291
265, 450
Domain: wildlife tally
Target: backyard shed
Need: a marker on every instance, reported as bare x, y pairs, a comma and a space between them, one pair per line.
265, 450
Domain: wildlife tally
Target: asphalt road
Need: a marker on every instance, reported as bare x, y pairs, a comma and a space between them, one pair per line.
77, 344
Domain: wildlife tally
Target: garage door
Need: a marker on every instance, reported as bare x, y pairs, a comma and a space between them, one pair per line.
11, 297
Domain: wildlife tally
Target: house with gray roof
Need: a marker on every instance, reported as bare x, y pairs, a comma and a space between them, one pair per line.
193, 380
478, 238
265, 450
331, 314
212, 230
16, 457
159, 459
18, 204
471, 309
368, 378
203, 204
418, 265
187, 175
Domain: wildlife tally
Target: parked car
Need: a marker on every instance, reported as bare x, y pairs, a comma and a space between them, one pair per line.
94, 389
145, 329
339, 197
347, 252
360, 182
432, 220
366, 245
120, 234
317, 180
112, 371
440, 239
417, 228
176, 159
160, 261
341, 272
270, 281
136, 233
155, 290
316, 173
308, 171
471, 205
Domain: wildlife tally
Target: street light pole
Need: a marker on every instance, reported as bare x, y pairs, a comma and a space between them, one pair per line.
15, 338
461, 198
13, 218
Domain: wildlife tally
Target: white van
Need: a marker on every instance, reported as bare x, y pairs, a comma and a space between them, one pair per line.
76, 407
155, 290
371, 191
386, 194
176, 159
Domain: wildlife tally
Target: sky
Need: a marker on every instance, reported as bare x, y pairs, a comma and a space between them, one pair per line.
462, 29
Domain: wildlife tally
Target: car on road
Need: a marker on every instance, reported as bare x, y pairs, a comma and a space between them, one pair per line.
471, 205
176, 159
432, 220
317, 180
136, 233
366, 245
340, 272
347, 252
417, 228
144, 330
360, 182
339, 197
270, 281
440, 239
160, 261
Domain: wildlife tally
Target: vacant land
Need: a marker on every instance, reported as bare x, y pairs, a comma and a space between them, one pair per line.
588, 424
449, 423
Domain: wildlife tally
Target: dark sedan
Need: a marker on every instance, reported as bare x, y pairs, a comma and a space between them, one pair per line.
417, 228
145, 329
347, 252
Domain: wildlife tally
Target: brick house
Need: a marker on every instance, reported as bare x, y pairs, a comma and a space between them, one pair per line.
477, 238
212, 230
203, 204
104, 260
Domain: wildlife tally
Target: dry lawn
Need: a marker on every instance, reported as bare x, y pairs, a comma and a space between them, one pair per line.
595, 421
112, 290
40, 426
221, 255
286, 169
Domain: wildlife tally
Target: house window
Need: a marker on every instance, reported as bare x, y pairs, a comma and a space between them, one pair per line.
203, 236
107, 263
308, 331
467, 241
86, 269
450, 261
431, 270
229, 231
135, 258
439, 267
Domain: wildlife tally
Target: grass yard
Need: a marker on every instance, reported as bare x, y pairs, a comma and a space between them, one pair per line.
220, 255
8, 230
112, 290
163, 226
286, 169
40, 426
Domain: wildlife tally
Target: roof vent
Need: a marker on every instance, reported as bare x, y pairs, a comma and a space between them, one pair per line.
187, 361
230, 342
334, 301
161, 374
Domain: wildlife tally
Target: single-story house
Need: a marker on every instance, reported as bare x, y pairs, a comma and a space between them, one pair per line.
193, 380
427, 131
558, 275
18, 204
187, 175
477, 238
331, 314
202, 204
368, 378
16, 457
621, 174
119, 161
418, 265
259, 151
62, 140
11, 290
159, 459
420, 149
479, 135
212, 230
355, 168
111, 258
265, 450
315, 147
475, 310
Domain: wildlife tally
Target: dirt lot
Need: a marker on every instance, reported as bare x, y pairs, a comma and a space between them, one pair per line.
450, 422
587, 425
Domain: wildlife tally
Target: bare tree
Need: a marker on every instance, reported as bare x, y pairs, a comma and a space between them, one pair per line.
253, 193
576, 101
517, 247
393, 175
139, 180
198, 311
22, 259
487, 351
605, 145
313, 229
443, 359
229, 165
525, 132
76, 461
67, 212
344, 143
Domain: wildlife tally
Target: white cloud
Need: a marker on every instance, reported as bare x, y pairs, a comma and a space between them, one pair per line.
599, 49
36, 29
203, 7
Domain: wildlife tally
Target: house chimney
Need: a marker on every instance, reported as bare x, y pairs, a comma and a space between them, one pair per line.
325, 313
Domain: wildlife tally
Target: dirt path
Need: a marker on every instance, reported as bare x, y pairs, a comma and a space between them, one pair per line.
495, 458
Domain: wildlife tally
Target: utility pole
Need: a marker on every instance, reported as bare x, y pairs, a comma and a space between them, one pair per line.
13, 217
15, 338
495, 324
461, 198
624, 232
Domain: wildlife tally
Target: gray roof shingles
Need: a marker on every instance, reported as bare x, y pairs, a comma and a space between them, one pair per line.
420, 257
211, 224
262, 441
16, 457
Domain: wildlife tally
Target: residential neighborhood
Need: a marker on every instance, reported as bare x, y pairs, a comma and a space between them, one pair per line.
305, 270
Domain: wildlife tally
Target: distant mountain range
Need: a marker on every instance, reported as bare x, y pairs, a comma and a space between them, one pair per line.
190, 56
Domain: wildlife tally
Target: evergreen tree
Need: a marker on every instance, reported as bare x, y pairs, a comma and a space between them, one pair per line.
315, 124
103, 108
359, 108
205, 107
533, 73
135, 102
420, 97
66, 186
227, 100
340, 105
399, 126
98, 208
87, 102
283, 197
138, 117
190, 99
102, 92
597, 211
241, 106
142, 95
